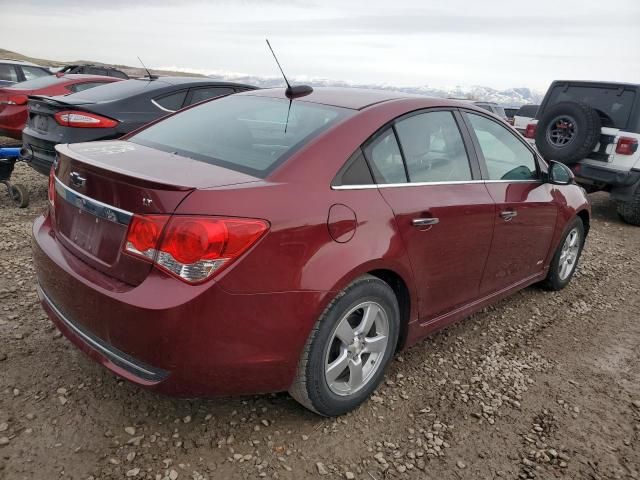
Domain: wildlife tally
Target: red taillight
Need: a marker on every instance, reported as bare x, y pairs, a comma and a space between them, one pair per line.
530, 131
70, 118
192, 248
14, 100
627, 146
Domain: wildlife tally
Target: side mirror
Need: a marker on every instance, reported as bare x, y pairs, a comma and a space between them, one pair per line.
560, 174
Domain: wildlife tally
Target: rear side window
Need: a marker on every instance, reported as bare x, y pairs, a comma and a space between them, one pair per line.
33, 72
433, 148
615, 103
8, 73
251, 134
118, 74
173, 101
505, 156
355, 171
200, 94
385, 158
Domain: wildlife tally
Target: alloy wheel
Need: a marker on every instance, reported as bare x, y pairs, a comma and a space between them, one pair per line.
569, 254
562, 131
356, 348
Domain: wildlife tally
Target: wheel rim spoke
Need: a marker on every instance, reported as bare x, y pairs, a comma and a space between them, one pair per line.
344, 332
355, 373
337, 367
377, 344
370, 314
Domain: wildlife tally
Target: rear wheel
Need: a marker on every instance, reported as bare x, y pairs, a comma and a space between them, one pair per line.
349, 348
630, 211
565, 260
19, 195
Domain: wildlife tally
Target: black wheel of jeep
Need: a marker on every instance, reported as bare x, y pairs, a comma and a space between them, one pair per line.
629, 211
568, 132
349, 348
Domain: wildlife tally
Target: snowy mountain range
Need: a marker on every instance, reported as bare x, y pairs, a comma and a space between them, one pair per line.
508, 97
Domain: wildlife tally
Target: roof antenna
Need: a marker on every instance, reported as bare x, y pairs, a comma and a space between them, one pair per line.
291, 91
151, 77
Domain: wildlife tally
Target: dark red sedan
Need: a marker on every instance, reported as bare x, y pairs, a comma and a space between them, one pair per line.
13, 99
257, 243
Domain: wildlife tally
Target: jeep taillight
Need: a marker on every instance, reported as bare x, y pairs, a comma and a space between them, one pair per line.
192, 248
627, 146
530, 131
72, 118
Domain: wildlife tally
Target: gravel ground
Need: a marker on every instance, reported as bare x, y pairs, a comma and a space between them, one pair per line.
542, 385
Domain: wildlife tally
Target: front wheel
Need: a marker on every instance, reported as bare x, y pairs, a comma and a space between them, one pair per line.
349, 348
565, 260
19, 195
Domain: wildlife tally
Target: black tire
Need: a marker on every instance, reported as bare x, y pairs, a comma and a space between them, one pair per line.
629, 211
586, 122
555, 280
310, 387
19, 195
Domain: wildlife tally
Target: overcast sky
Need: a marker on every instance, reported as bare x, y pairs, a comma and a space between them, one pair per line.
495, 43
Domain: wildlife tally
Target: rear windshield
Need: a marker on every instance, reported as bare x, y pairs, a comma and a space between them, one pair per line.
40, 82
246, 133
527, 111
615, 103
118, 90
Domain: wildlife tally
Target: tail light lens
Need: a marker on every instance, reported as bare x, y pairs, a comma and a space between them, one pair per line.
14, 100
70, 118
530, 131
192, 248
627, 146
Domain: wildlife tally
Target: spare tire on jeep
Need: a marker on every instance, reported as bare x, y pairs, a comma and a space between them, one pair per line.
568, 132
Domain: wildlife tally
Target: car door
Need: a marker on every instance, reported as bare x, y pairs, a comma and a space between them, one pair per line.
442, 209
204, 93
525, 208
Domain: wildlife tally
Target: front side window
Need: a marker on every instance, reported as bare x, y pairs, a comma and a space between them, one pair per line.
246, 133
433, 148
385, 159
33, 72
505, 156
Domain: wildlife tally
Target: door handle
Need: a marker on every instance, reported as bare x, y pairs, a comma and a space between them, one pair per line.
425, 222
508, 215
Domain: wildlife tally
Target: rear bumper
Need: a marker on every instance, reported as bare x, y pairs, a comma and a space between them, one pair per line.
591, 174
172, 337
39, 154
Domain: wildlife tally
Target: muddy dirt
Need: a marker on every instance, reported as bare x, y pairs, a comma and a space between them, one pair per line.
542, 385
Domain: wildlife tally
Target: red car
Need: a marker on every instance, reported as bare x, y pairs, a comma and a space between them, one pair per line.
259, 243
13, 99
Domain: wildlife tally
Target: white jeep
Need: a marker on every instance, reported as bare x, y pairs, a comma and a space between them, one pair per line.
594, 128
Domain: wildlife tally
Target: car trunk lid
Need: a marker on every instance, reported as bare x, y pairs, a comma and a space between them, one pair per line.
101, 185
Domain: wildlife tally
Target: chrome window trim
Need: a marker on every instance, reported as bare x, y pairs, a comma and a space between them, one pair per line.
424, 184
161, 107
117, 357
95, 207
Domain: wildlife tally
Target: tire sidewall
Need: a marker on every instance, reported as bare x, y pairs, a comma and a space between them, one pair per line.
323, 399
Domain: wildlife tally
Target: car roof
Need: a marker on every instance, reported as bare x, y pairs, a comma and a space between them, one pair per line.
189, 81
359, 98
345, 97
19, 62
595, 83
